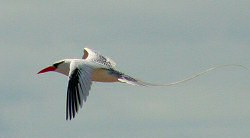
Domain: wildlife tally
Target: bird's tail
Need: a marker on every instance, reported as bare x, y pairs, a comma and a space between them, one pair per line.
127, 79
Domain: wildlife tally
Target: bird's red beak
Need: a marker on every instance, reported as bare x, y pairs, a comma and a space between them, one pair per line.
50, 68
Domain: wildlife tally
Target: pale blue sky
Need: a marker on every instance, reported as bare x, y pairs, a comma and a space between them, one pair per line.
157, 41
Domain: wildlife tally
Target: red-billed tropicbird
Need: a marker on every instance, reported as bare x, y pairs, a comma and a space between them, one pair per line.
96, 67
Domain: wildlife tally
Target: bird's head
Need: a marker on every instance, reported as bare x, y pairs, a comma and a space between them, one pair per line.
61, 66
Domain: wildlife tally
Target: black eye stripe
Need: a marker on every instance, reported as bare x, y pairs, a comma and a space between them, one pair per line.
57, 64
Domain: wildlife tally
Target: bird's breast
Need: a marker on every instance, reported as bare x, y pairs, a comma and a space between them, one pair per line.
102, 75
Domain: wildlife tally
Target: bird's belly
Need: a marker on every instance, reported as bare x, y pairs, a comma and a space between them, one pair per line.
102, 75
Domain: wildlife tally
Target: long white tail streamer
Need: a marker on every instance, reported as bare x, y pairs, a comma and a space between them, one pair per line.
191, 77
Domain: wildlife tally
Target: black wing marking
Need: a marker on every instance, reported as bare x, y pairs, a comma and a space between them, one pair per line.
96, 57
79, 86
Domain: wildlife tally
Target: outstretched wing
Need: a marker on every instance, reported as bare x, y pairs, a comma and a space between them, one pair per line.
79, 86
91, 55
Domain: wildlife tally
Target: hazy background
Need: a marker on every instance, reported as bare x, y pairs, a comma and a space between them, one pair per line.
157, 41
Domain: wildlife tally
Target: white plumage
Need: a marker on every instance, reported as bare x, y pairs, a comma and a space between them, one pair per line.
96, 67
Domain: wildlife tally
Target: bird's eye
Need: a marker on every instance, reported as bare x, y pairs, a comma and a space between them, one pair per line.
57, 64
